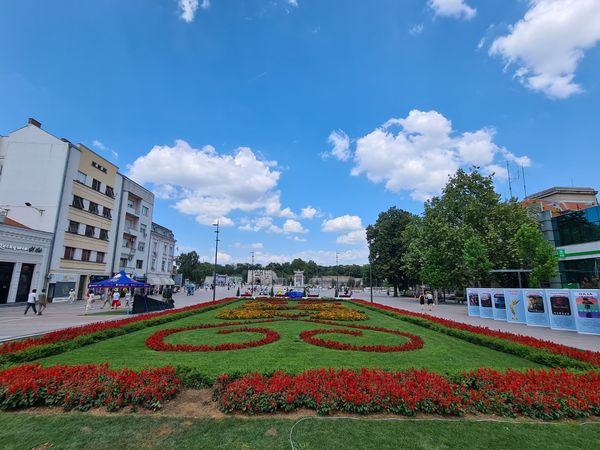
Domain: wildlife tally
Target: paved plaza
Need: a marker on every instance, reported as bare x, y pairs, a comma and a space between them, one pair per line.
13, 324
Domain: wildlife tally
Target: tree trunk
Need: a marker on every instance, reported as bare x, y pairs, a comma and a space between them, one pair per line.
395, 290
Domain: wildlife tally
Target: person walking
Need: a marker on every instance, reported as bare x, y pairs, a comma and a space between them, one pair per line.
31, 298
89, 304
116, 299
71, 296
429, 297
104, 298
422, 301
42, 301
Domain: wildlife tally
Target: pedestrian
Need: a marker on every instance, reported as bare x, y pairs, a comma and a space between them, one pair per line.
71, 296
104, 298
422, 301
31, 298
127, 297
429, 298
116, 299
42, 301
89, 304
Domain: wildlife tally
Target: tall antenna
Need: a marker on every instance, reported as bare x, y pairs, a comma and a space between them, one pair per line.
509, 183
524, 185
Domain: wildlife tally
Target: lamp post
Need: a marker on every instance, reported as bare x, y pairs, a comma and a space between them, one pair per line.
337, 274
215, 266
371, 277
252, 274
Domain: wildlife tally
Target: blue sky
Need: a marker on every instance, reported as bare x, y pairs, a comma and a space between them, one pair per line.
296, 122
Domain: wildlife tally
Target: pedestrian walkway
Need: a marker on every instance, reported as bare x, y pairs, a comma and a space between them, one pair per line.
14, 325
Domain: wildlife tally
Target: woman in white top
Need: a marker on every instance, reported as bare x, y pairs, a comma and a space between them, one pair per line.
31, 299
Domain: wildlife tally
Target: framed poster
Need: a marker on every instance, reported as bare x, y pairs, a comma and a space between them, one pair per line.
560, 310
536, 313
499, 304
587, 310
515, 312
473, 302
485, 303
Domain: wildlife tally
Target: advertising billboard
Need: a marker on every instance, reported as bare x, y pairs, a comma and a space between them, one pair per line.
486, 309
472, 302
515, 304
499, 304
536, 313
587, 310
560, 310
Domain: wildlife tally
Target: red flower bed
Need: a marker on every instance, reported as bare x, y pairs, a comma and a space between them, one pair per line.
83, 387
67, 334
414, 343
156, 340
547, 394
559, 349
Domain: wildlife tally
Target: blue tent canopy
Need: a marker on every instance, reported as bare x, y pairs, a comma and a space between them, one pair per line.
120, 280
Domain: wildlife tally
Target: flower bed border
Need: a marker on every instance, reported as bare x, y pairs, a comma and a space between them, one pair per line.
414, 343
534, 349
71, 338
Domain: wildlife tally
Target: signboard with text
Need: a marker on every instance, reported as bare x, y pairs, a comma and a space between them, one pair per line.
473, 302
499, 304
560, 310
485, 303
587, 310
536, 312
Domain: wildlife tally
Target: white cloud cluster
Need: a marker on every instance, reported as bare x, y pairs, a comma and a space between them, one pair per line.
350, 227
549, 42
290, 226
293, 226
293, 3
308, 213
324, 257
188, 8
209, 185
341, 145
424, 152
100, 146
452, 8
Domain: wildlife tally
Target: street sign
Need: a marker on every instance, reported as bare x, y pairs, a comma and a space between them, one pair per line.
560, 252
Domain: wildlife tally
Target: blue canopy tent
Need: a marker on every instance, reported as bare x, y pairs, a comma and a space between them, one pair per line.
120, 280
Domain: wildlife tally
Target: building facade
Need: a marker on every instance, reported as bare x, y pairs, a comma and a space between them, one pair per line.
134, 225
161, 257
23, 260
262, 276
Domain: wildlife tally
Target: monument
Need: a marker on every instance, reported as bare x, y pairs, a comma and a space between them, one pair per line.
298, 278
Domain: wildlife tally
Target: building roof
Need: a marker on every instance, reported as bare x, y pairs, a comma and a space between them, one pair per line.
14, 223
562, 190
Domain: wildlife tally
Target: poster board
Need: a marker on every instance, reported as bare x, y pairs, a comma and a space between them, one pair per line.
498, 304
486, 310
536, 311
560, 309
515, 303
472, 302
586, 304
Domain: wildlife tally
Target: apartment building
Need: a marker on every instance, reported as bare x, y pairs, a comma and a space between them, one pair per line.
162, 255
132, 244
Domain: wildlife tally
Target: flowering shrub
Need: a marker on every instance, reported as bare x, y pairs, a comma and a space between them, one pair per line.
266, 304
318, 306
339, 314
156, 340
240, 313
546, 394
121, 326
414, 342
481, 335
84, 387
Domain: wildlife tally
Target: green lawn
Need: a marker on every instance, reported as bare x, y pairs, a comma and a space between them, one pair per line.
79, 431
441, 353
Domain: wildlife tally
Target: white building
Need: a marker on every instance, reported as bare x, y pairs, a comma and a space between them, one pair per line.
262, 276
162, 255
134, 225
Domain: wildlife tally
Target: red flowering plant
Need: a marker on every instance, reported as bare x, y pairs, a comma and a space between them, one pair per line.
496, 339
86, 386
545, 394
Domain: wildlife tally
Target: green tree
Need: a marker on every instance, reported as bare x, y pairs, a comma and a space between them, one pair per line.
187, 263
535, 253
476, 261
386, 246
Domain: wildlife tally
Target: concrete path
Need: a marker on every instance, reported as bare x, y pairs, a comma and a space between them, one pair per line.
62, 315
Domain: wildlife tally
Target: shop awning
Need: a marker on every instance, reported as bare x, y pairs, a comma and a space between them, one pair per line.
166, 281
154, 281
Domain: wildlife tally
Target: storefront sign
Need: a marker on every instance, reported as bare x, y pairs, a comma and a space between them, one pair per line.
63, 278
20, 248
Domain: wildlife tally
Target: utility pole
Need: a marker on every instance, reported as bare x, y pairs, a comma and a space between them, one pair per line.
337, 273
509, 182
252, 273
215, 267
371, 277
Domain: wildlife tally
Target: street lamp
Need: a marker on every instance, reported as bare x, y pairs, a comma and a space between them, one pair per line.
215, 267
337, 274
371, 277
252, 274
29, 205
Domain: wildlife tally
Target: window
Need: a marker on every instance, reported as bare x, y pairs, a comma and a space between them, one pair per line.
98, 166
110, 191
99, 257
96, 185
77, 202
93, 208
170, 249
73, 227
130, 204
106, 213
144, 210
69, 253
139, 263
153, 263
143, 229
162, 266
141, 246
82, 177
90, 231
164, 248
123, 262
103, 234
85, 255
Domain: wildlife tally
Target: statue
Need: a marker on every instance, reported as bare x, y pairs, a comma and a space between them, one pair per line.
512, 304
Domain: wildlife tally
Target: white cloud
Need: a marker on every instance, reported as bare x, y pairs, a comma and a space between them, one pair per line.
548, 43
423, 153
208, 185
224, 258
100, 146
293, 226
297, 239
188, 8
341, 145
353, 237
308, 213
260, 224
342, 223
293, 3
287, 212
452, 8
324, 257
416, 29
